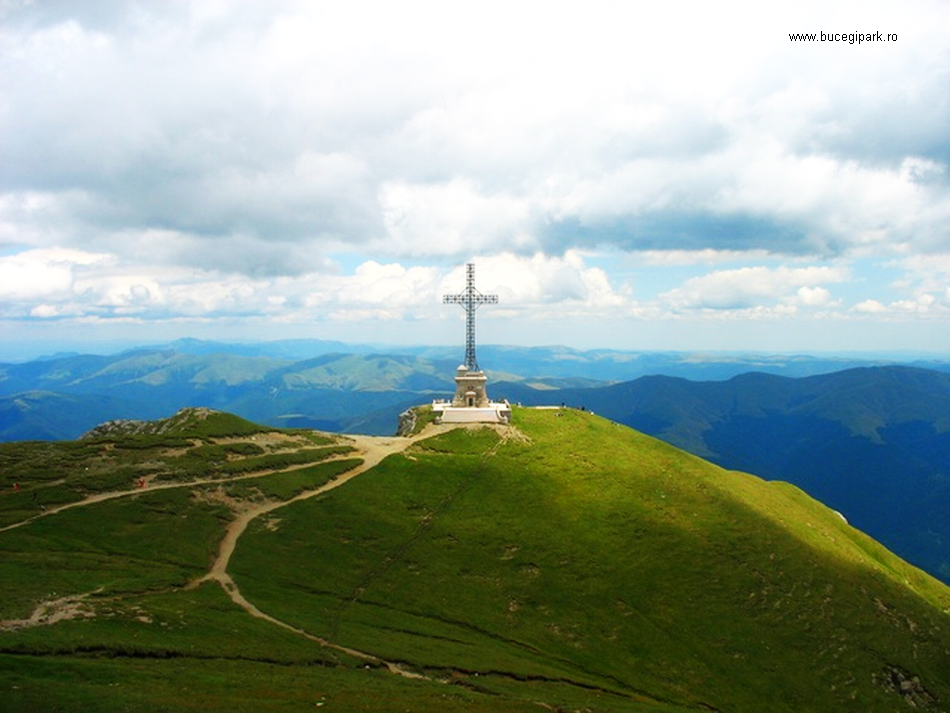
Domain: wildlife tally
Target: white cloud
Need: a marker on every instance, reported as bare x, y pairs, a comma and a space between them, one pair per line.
707, 256
813, 297
76, 285
107, 287
308, 125
541, 285
932, 271
220, 152
751, 287
41, 273
45, 311
922, 305
870, 307
450, 219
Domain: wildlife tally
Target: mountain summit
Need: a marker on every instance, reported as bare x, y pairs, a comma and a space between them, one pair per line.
564, 561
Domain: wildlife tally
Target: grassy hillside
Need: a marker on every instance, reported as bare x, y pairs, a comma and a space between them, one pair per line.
567, 564
873, 443
596, 556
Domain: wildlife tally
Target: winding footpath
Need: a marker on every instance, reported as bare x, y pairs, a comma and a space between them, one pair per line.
370, 449
367, 447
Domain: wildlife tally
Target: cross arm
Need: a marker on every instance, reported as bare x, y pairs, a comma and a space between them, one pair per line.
478, 299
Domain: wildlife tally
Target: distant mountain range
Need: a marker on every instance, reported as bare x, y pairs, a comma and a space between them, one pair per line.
870, 439
325, 385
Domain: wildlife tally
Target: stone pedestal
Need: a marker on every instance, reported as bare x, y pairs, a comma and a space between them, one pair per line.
470, 389
471, 403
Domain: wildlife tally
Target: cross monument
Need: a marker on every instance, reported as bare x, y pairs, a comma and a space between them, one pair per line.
470, 299
471, 403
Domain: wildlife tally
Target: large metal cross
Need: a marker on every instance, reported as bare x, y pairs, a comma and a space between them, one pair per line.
470, 299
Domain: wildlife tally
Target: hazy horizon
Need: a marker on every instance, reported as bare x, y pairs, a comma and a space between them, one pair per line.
18, 353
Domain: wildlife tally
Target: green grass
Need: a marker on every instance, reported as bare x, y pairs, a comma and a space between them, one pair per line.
200, 623
583, 567
607, 558
150, 541
424, 416
38, 476
276, 461
67, 684
286, 485
214, 461
205, 424
147, 441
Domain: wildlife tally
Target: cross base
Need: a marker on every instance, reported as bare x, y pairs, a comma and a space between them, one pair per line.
493, 413
470, 388
471, 403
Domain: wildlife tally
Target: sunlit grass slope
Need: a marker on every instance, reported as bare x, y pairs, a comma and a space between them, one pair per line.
600, 565
567, 564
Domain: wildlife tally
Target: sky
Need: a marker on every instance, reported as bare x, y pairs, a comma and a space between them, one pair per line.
628, 175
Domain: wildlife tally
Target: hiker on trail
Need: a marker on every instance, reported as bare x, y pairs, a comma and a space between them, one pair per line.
16, 487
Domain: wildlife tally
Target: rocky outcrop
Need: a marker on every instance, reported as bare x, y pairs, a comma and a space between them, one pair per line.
407, 422
908, 686
127, 427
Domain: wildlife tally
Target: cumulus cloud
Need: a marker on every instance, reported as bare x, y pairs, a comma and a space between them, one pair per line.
749, 287
41, 273
539, 285
705, 256
308, 125
929, 273
923, 305
870, 307
923, 287
450, 219
229, 157
55, 284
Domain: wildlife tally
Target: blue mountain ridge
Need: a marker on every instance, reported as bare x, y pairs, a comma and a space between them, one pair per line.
871, 441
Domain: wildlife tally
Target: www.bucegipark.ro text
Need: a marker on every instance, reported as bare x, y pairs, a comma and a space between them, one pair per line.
852, 38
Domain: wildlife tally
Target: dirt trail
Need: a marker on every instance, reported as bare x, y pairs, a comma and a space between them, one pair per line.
151, 487
372, 450
52, 611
